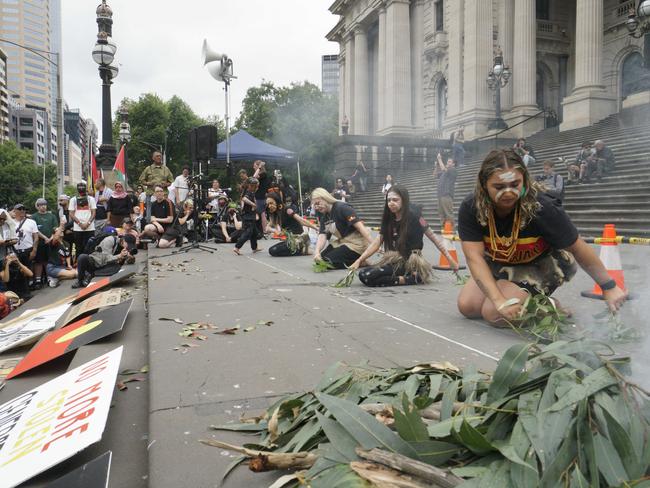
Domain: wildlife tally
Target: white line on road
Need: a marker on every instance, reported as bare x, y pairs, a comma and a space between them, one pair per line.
394, 317
464, 346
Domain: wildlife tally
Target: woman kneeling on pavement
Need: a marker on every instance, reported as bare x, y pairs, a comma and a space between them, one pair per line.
402, 232
284, 217
340, 225
517, 240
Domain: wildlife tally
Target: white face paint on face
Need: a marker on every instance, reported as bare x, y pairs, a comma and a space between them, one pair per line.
507, 176
514, 191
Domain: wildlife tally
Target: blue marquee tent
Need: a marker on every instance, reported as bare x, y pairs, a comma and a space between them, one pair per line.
245, 147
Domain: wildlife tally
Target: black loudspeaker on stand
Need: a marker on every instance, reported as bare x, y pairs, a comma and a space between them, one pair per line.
203, 147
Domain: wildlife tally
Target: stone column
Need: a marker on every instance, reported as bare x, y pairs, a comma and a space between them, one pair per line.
342, 94
589, 102
478, 54
417, 51
398, 68
506, 41
381, 71
361, 85
349, 80
456, 24
524, 67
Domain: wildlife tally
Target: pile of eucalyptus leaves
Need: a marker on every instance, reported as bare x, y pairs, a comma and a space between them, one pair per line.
560, 415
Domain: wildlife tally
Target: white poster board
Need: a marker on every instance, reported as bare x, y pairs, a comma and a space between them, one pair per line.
31, 328
54, 421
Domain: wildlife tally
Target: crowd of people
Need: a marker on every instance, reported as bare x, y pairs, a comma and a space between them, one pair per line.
97, 230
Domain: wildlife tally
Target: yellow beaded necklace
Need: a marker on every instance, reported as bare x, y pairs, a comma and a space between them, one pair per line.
498, 242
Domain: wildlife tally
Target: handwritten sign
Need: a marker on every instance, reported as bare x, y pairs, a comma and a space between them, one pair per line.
54, 421
31, 328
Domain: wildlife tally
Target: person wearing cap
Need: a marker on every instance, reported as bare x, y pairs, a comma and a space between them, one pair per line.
119, 205
229, 224
82, 209
128, 229
59, 259
108, 256
27, 234
46, 222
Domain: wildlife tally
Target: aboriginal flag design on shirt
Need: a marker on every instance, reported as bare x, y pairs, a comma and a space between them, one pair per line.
550, 229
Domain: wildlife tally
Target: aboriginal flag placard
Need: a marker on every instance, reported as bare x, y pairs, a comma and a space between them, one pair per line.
77, 334
93, 474
57, 419
102, 283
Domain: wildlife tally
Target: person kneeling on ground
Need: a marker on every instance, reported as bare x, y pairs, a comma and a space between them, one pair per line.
339, 222
59, 259
162, 215
402, 230
517, 240
106, 260
175, 232
285, 217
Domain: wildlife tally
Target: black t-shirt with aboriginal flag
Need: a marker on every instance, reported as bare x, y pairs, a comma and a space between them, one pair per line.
342, 216
550, 229
415, 230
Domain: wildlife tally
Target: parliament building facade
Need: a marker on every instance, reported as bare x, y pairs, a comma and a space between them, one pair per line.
419, 67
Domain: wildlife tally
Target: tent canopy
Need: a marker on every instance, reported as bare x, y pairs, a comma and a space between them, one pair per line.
245, 147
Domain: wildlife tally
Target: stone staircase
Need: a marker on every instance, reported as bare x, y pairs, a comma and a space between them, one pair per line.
623, 198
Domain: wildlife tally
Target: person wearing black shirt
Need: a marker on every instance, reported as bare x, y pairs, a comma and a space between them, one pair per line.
517, 240
340, 225
402, 232
249, 217
15, 275
162, 215
59, 255
228, 224
259, 172
446, 186
286, 218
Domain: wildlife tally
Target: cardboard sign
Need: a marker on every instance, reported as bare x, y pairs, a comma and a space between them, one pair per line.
25, 330
101, 283
75, 335
101, 300
54, 421
7, 365
93, 474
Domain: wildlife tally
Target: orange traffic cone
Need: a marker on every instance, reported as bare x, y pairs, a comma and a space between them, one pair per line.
611, 258
447, 239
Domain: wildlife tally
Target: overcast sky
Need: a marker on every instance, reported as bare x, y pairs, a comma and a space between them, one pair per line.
159, 48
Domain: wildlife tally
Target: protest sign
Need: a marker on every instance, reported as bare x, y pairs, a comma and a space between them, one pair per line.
54, 421
25, 330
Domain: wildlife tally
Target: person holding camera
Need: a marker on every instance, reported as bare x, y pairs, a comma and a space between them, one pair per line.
7, 233
15, 276
27, 234
109, 256
82, 210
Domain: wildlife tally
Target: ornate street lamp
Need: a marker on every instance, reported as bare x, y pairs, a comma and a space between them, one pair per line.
104, 56
125, 138
498, 77
638, 25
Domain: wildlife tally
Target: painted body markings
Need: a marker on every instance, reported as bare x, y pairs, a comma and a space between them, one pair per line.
507, 176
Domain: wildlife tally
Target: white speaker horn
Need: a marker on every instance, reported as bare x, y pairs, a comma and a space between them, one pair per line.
208, 55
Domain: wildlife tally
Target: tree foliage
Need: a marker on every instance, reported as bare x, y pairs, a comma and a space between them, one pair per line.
21, 181
157, 123
299, 117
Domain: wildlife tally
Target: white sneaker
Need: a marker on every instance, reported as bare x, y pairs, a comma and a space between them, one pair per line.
53, 282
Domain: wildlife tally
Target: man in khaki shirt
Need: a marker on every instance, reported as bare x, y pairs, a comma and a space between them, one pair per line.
155, 175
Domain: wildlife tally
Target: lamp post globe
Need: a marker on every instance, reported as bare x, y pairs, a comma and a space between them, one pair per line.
104, 55
644, 8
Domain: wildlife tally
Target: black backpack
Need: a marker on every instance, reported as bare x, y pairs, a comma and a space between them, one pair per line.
94, 241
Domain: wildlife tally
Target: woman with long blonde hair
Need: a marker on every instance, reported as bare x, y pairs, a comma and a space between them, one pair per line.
342, 237
517, 240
